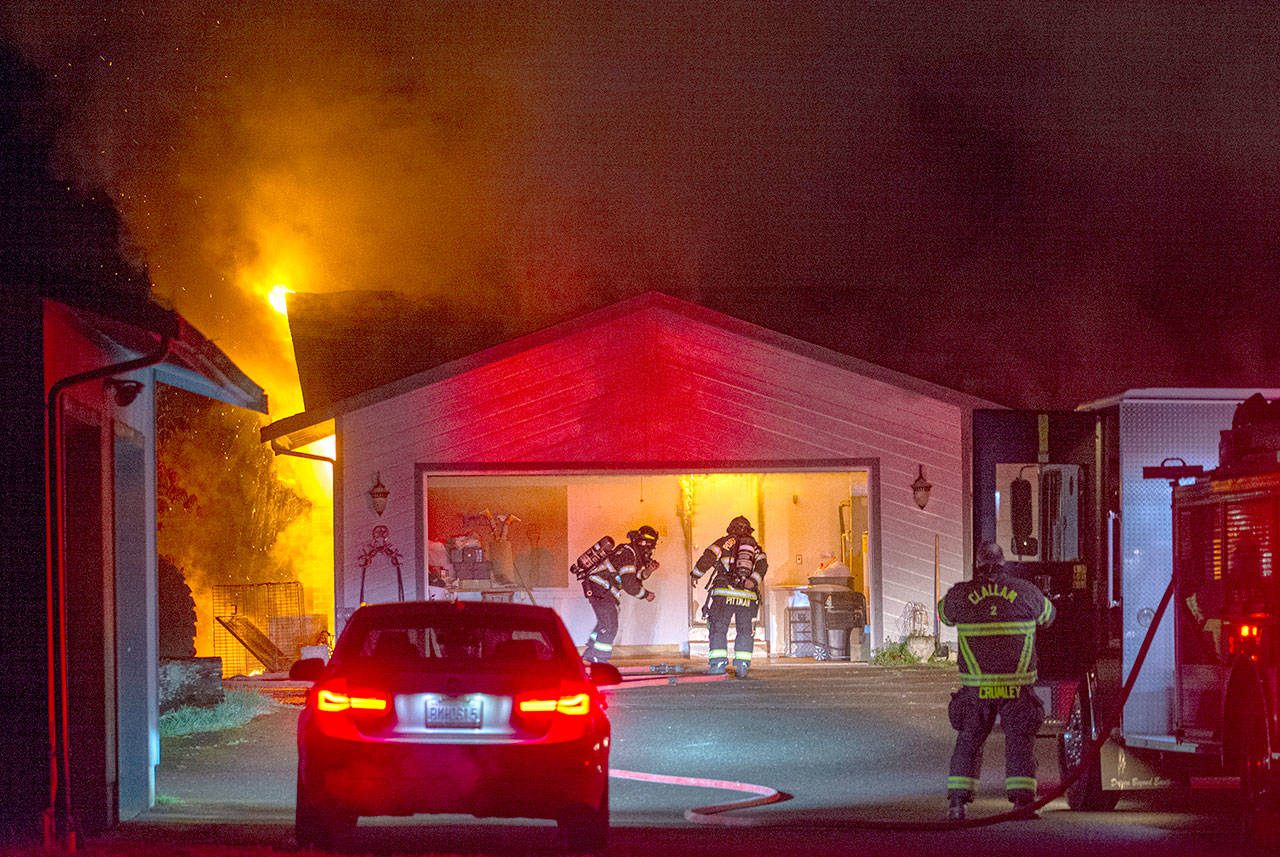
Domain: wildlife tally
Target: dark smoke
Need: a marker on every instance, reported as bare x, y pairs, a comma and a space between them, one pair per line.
1037, 202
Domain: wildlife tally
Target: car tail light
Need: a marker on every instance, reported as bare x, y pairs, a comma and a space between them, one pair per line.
341, 708
561, 714
578, 703
329, 699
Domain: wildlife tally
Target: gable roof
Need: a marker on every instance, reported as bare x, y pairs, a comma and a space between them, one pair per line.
345, 343
314, 423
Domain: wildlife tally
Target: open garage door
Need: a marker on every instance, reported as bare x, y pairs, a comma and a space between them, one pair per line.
512, 535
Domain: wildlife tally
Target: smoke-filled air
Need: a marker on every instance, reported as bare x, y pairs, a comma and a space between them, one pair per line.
955, 195
1026, 201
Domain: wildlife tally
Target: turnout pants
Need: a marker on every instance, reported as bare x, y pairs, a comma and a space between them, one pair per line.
719, 615
600, 643
972, 714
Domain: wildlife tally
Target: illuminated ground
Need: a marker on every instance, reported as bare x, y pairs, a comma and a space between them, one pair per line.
849, 742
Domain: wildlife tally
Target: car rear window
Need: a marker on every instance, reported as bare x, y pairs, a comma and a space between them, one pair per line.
458, 640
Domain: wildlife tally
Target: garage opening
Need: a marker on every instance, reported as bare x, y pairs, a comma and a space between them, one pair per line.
512, 536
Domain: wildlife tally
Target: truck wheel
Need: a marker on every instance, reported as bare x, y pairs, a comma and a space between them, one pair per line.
318, 824
1259, 795
1086, 793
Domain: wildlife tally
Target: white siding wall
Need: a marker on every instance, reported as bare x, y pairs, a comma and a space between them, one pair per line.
771, 403
659, 386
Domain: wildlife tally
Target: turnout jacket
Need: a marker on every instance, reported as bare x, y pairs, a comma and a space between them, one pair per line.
739, 566
617, 574
996, 618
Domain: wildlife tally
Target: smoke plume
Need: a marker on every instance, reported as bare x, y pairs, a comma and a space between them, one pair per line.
1028, 200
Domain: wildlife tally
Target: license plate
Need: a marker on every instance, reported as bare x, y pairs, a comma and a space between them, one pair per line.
454, 714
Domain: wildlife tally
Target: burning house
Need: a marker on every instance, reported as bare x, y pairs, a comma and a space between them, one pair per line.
487, 470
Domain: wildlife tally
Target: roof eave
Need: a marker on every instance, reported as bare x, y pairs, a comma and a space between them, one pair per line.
194, 363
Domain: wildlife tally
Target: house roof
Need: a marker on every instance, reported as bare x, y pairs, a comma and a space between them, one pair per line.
345, 343
193, 363
445, 361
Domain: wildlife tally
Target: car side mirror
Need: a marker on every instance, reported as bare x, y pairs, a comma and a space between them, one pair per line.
307, 669
602, 674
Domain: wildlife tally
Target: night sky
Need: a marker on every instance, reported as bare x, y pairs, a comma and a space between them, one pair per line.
1040, 203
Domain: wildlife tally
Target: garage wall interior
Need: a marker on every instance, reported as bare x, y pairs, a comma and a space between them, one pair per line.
798, 517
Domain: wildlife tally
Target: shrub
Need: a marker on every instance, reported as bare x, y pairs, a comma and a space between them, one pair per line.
237, 708
893, 655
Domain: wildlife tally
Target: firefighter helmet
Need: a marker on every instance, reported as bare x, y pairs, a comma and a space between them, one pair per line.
739, 527
644, 540
646, 536
990, 558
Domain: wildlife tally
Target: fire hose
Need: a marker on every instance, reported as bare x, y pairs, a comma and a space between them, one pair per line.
712, 814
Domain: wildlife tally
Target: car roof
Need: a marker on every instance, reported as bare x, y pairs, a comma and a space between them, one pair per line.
499, 610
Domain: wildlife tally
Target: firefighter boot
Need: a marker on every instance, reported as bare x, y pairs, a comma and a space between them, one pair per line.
717, 668
740, 670
1022, 799
955, 811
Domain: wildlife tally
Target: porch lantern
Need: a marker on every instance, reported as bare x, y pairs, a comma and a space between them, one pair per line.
379, 494
920, 489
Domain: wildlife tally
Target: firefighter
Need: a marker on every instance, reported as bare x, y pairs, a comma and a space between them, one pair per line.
737, 564
996, 617
624, 570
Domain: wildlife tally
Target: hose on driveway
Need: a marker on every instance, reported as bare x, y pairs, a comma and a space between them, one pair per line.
713, 814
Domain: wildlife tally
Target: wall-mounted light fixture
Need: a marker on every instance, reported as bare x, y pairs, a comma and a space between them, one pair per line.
379, 494
125, 390
920, 489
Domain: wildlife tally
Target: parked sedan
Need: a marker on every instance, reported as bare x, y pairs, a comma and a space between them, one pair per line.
454, 707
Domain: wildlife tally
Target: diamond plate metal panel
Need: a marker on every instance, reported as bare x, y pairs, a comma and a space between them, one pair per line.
1151, 431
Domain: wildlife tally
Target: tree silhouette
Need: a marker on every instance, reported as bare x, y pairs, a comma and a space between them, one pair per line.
177, 613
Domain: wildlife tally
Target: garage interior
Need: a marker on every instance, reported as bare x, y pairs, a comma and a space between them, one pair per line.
516, 534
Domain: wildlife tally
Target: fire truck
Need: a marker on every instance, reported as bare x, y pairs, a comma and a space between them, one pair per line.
1167, 495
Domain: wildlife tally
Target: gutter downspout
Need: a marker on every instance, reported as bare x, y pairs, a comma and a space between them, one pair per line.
280, 450
55, 582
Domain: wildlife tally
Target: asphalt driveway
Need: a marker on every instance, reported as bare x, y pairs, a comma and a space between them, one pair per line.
847, 742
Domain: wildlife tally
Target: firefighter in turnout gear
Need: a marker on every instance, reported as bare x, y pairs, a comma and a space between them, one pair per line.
624, 570
737, 565
996, 617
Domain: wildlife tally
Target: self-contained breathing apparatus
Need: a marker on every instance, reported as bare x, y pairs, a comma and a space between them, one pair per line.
592, 557
736, 563
642, 540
